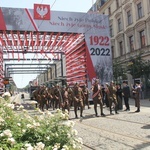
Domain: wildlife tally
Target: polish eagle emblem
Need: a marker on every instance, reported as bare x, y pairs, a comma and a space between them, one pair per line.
42, 11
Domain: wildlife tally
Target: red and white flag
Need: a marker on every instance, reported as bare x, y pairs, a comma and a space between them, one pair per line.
41, 12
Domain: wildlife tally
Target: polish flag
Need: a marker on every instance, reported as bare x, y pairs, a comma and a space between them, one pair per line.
41, 12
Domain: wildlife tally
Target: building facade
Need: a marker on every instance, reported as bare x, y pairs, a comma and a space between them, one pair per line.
97, 5
129, 29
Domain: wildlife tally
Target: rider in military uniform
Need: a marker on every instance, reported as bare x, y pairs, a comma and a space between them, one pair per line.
35, 94
43, 98
70, 94
78, 99
112, 97
97, 97
86, 95
52, 101
65, 103
137, 96
57, 96
107, 95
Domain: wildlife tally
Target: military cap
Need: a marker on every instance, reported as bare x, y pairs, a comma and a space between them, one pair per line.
112, 82
96, 80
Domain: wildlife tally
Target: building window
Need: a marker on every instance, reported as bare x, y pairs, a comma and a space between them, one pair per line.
119, 25
142, 38
129, 17
117, 3
131, 43
94, 8
139, 10
121, 48
109, 10
102, 2
111, 31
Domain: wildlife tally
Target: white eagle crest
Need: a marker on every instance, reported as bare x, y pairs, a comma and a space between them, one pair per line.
42, 11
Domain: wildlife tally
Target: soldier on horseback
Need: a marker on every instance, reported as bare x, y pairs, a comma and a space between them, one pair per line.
78, 100
97, 97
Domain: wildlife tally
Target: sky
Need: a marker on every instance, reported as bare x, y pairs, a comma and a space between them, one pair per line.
57, 5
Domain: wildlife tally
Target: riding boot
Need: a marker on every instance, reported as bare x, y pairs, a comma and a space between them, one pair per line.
116, 110
96, 114
111, 111
81, 111
138, 110
101, 107
75, 111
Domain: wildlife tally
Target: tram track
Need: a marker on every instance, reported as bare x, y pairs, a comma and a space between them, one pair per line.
112, 132
87, 146
130, 137
118, 119
14, 98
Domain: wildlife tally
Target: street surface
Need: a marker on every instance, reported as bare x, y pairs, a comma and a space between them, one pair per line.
125, 131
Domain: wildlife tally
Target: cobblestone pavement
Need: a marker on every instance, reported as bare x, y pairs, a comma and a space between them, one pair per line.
125, 131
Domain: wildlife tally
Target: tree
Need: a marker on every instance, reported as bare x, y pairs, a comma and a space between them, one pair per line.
136, 66
146, 68
118, 70
146, 71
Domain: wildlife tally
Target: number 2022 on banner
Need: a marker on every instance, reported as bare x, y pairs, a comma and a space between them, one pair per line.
99, 41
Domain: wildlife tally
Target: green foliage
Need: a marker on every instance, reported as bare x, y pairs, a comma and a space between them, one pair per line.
138, 67
146, 68
20, 131
118, 70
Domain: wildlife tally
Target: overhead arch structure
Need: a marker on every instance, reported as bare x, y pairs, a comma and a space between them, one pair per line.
35, 34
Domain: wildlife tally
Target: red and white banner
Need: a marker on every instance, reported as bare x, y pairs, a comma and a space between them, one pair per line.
94, 27
99, 57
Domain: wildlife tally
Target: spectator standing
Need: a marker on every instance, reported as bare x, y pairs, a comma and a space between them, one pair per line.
119, 96
112, 97
142, 90
137, 96
126, 95
103, 93
97, 97
107, 95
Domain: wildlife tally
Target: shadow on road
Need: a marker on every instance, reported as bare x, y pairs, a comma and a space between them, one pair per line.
146, 126
148, 136
142, 146
25, 106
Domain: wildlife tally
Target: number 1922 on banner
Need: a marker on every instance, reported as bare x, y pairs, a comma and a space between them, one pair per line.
98, 44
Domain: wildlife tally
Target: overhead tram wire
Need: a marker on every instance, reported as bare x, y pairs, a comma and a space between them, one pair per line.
100, 21
42, 22
82, 18
38, 27
71, 26
22, 74
50, 8
28, 29
67, 29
